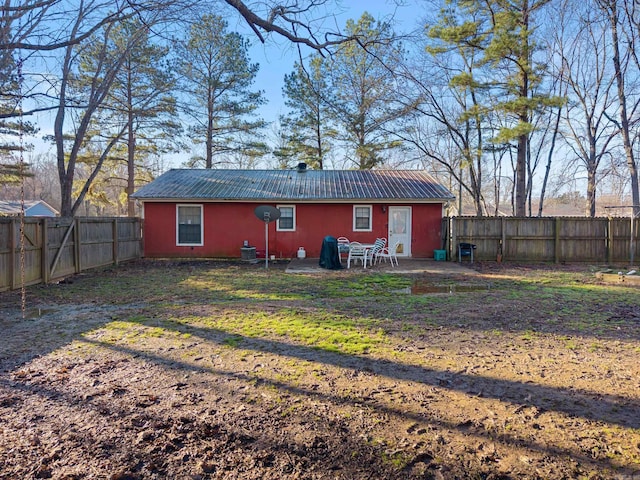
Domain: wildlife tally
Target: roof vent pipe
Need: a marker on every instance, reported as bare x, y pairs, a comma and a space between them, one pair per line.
302, 167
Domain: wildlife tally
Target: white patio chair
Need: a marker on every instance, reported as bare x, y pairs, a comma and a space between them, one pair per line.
390, 253
357, 252
343, 247
372, 253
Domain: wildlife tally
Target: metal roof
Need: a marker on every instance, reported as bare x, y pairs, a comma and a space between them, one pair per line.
294, 185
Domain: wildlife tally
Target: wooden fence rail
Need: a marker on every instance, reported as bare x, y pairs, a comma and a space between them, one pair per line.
54, 247
548, 239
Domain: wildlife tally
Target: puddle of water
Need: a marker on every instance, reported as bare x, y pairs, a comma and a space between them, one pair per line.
422, 288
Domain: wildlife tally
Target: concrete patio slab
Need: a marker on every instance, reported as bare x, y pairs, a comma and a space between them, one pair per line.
405, 266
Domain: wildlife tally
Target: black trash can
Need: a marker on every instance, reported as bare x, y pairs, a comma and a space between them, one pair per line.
329, 256
465, 250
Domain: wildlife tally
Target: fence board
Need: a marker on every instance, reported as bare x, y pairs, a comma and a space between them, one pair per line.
93, 242
97, 242
546, 239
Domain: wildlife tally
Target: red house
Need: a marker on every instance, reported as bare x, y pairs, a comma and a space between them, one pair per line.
211, 213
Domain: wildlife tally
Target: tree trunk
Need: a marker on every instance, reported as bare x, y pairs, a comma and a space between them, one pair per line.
209, 140
65, 172
520, 174
66, 201
523, 117
591, 193
320, 153
131, 168
545, 181
131, 150
624, 118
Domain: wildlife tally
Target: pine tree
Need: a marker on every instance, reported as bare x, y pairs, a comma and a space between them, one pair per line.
217, 79
306, 126
502, 34
13, 128
455, 104
365, 104
139, 98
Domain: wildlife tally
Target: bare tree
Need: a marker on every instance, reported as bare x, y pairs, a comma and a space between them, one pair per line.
623, 58
79, 107
293, 20
585, 70
62, 27
451, 124
37, 27
43, 25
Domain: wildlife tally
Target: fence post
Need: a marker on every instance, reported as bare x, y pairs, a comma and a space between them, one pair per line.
139, 226
503, 237
444, 235
609, 241
114, 232
76, 245
44, 252
556, 247
632, 238
12, 254
454, 238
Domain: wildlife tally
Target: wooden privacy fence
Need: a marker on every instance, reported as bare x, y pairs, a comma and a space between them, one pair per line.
56, 247
547, 239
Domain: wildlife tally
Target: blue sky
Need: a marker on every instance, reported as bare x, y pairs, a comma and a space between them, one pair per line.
277, 56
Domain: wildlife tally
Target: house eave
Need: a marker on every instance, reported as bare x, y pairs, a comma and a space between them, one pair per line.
297, 201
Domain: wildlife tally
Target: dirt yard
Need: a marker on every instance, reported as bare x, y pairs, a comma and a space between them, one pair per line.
207, 370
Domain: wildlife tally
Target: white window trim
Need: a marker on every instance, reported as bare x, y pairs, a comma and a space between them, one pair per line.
293, 229
178, 205
370, 229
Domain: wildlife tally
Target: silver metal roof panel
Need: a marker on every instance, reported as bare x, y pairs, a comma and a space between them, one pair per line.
294, 185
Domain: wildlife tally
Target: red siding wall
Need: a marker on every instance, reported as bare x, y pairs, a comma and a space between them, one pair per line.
227, 225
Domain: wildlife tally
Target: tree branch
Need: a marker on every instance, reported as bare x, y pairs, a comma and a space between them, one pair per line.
268, 25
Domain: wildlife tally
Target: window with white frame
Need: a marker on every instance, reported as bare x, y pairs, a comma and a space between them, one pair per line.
287, 220
362, 218
189, 225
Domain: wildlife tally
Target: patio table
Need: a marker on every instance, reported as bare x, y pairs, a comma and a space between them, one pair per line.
367, 247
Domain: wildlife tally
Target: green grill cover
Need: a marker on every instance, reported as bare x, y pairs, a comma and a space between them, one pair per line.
329, 256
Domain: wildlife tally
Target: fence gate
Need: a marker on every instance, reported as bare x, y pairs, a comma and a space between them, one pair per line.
56, 247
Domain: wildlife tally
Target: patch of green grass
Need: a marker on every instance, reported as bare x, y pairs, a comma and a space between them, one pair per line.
219, 290
322, 330
369, 285
343, 312
136, 329
399, 459
571, 345
594, 347
232, 341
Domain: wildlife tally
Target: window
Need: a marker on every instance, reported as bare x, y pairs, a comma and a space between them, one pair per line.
362, 218
287, 220
189, 225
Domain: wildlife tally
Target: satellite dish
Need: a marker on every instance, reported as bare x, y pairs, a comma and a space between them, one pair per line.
267, 214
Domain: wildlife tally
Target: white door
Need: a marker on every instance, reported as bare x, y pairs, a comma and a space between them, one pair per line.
400, 230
